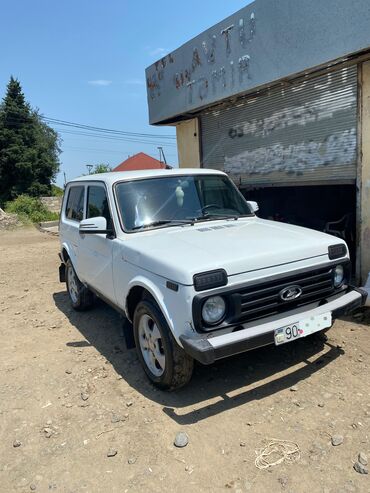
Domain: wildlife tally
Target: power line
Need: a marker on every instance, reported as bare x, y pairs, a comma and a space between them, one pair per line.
114, 138
105, 130
54, 121
107, 137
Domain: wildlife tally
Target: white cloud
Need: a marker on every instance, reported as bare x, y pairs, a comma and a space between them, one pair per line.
158, 52
135, 82
100, 82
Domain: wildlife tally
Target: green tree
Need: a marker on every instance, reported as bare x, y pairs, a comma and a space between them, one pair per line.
100, 168
29, 150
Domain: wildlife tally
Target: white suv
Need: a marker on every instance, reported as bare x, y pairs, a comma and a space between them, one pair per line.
183, 256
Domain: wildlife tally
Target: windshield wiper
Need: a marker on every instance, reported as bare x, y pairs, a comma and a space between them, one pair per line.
214, 215
163, 222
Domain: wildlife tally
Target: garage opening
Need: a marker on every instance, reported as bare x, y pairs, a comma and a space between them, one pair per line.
327, 208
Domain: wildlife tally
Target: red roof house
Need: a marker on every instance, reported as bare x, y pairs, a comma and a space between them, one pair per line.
140, 161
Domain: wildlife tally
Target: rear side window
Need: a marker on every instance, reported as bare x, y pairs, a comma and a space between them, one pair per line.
75, 203
97, 203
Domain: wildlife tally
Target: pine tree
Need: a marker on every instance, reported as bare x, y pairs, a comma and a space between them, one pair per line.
28, 148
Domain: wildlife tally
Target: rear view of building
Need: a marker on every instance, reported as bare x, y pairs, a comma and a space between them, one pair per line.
278, 96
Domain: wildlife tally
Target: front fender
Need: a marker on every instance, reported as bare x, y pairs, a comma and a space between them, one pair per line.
157, 294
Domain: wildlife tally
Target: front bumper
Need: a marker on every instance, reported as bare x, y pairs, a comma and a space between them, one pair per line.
208, 349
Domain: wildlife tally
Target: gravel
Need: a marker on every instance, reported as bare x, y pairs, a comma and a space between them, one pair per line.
360, 468
337, 440
111, 452
362, 459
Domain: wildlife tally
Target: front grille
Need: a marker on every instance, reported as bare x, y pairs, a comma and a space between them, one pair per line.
263, 300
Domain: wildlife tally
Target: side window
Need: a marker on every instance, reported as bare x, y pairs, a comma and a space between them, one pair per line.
75, 203
97, 204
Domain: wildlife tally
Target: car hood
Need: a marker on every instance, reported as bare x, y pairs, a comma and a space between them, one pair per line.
177, 253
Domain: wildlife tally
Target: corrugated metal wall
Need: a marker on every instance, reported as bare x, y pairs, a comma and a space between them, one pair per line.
306, 132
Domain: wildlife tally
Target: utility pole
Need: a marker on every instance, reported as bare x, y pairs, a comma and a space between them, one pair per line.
161, 153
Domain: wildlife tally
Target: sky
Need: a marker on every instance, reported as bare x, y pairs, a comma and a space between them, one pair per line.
84, 61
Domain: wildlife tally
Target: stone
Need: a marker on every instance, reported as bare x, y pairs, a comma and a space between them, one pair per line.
181, 439
243, 444
84, 396
111, 452
68, 372
294, 388
358, 315
115, 418
337, 440
17, 443
33, 487
362, 459
360, 468
321, 404
131, 460
129, 403
283, 480
48, 432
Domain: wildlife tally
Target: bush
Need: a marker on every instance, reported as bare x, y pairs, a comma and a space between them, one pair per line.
56, 191
30, 209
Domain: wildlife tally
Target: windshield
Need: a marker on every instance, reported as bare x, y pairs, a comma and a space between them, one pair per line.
166, 201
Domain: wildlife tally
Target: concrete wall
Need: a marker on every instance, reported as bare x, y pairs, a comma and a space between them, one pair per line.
53, 204
364, 172
188, 147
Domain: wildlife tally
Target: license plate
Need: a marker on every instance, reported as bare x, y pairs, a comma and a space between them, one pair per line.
302, 328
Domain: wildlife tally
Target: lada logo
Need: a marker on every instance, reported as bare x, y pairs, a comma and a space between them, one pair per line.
290, 293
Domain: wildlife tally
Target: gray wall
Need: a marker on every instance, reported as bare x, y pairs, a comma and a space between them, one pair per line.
53, 204
269, 40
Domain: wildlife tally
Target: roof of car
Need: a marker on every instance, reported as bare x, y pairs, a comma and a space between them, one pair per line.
113, 177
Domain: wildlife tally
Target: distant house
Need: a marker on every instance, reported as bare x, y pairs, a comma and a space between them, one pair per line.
141, 161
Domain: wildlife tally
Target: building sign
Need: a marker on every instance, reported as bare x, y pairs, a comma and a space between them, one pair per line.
257, 46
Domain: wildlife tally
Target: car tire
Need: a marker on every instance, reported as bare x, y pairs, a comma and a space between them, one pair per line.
80, 296
165, 363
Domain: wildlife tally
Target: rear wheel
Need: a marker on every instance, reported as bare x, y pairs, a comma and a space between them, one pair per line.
81, 297
164, 361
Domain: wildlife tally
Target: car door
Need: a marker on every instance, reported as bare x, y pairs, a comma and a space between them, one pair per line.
96, 249
72, 214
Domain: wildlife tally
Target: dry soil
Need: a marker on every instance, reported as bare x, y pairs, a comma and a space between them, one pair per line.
71, 394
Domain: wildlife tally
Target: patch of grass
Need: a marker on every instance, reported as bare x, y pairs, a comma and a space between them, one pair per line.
30, 210
56, 191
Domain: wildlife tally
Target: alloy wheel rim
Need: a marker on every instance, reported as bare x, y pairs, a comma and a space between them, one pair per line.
151, 345
72, 285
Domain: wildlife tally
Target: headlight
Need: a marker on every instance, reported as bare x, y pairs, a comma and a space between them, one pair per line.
338, 276
213, 310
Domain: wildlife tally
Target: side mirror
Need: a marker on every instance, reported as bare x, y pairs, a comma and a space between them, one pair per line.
253, 205
94, 226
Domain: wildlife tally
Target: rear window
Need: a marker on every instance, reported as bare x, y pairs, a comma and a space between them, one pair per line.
75, 203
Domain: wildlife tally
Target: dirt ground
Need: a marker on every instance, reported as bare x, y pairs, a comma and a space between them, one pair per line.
70, 392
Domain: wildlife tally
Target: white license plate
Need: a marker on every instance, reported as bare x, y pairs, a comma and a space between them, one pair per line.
302, 328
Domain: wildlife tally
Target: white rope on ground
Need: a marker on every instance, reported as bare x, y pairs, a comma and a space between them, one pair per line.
276, 452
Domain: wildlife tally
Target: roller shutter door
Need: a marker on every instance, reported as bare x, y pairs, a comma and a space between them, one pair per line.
305, 132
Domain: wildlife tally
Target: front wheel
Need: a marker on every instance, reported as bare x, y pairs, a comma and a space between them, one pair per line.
81, 297
164, 361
